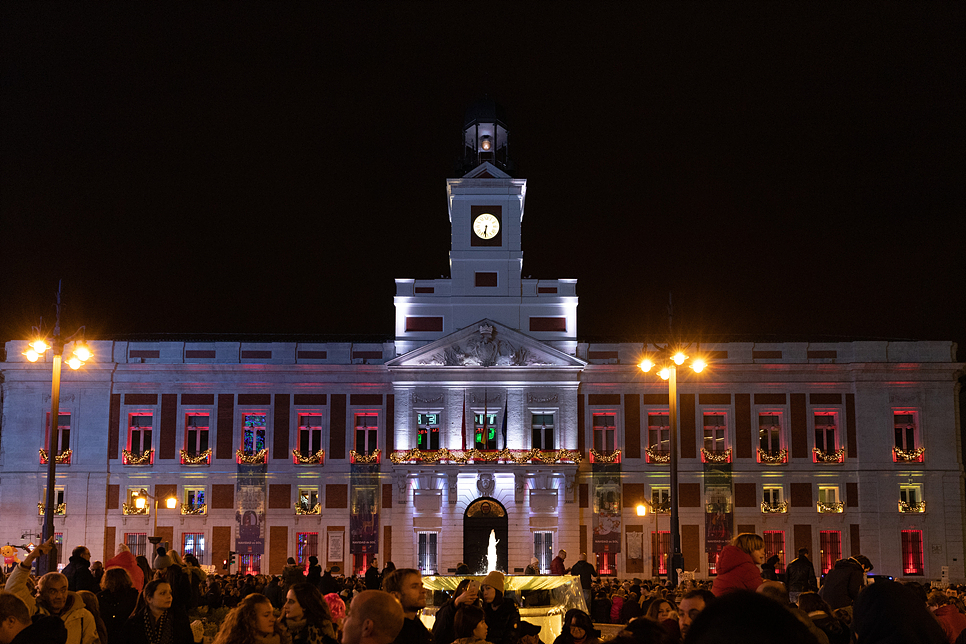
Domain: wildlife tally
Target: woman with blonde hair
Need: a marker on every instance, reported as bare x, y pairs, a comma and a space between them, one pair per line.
251, 622
738, 565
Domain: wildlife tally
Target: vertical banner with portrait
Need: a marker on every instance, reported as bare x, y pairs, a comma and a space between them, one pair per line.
250, 509
607, 507
364, 494
719, 513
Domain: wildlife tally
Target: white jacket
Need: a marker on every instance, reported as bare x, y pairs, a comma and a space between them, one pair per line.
81, 628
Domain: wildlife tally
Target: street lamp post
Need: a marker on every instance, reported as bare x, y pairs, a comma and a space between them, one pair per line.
79, 355
669, 372
140, 501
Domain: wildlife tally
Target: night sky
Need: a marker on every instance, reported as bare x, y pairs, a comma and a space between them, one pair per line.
787, 172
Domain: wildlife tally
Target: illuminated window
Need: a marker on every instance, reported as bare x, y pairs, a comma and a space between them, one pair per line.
905, 430
660, 552
826, 430
196, 434
249, 564
62, 437
715, 433
912, 560
661, 498
308, 498
360, 563
543, 550
772, 496
830, 543
659, 432
59, 540
306, 545
310, 434
769, 432
193, 543
194, 500
137, 543
367, 433
910, 494
484, 432
607, 563
775, 545
427, 432
427, 549
253, 439
828, 494
605, 433
541, 426
139, 434
60, 498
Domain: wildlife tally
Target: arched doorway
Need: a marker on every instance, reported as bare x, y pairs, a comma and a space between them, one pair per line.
483, 515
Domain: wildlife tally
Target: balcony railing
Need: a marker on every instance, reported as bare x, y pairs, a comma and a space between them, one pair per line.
310, 459
779, 457
304, 509
201, 458
838, 456
912, 507
258, 458
60, 509
132, 509
605, 458
657, 456
774, 508
364, 458
831, 507
661, 508
194, 508
461, 457
63, 458
908, 456
137, 458
715, 456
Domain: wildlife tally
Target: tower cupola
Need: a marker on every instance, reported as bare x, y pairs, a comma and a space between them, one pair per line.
485, 136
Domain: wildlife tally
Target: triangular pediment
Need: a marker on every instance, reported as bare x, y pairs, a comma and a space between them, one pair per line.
486, 344
486, 170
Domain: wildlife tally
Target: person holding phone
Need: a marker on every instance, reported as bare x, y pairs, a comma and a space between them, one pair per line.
467, 593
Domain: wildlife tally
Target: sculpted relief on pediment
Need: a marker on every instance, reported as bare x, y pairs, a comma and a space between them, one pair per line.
485, 350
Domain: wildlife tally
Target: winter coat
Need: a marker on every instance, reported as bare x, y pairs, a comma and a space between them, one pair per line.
952, 621
116, 607
557, 566
842, 583
616, 605
46, 630
500, 621
127, 561
443, 632
291, 574
372, 578
736, 571
79, 575
135, 631
586, 573
600, 610
81, 628
800, 575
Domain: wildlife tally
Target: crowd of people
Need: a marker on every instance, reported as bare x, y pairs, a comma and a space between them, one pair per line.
127, 600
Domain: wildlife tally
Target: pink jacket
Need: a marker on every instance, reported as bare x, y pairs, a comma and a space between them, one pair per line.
616, 604
736, 571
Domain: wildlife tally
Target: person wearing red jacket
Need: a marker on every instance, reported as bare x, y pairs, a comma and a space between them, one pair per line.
952, 621
738, 565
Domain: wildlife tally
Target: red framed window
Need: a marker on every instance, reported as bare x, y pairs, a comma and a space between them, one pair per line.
137, 543
427, 432
659, 432
254, 427
310, 434
605, 433
826, 431
193, 543
660, 552
62, 437
306, 545
912, 560
715, 433
140, 432
196, 434
607, 563
904, 424
830, 542
249, 564
775, 545
770, 432
367, 433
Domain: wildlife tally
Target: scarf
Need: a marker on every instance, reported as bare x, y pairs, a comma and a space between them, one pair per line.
160, 632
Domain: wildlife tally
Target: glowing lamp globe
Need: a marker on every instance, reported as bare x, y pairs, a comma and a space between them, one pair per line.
698, 365
679, 358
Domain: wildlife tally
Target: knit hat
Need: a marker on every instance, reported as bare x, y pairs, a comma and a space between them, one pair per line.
534, 561
523, 629
162, 562
494, 579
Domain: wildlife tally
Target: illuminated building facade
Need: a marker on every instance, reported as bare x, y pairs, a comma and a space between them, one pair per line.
485, 412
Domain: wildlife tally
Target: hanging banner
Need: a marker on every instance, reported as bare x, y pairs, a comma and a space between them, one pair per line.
250, 487
364, 509
607, 507
719, 512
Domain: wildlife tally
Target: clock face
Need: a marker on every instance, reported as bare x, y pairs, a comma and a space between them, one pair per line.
486, 226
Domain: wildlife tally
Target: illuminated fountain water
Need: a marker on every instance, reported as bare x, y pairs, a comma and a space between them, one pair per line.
491, 553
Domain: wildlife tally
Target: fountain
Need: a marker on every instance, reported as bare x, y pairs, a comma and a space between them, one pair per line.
491, 553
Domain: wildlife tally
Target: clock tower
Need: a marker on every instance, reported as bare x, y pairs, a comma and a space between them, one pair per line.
486, 206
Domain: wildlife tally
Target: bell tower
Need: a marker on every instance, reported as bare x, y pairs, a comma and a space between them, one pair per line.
486, 206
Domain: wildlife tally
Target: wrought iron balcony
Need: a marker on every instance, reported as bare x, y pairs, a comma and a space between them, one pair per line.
715, 456
137, 458
605, 458
132, 509
258, 458
774, 508
461, 457
779, 457
908, 456
838, 456
194, 508
657, 456
201, 458
311, 459
831, 507
912, 507
63, 458
304, 509
60, 509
